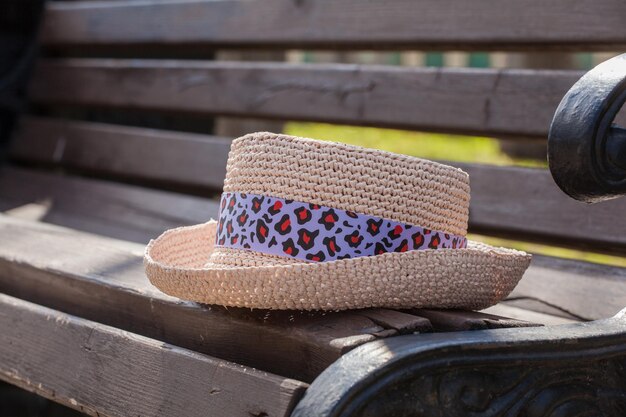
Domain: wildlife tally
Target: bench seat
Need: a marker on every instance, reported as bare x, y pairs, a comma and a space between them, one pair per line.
124, 373
76, 272
85, 204
117, 144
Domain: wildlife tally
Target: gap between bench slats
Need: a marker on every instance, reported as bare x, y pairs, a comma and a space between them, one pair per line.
105, 371
330, 24
500, 103
518, 203
91, 204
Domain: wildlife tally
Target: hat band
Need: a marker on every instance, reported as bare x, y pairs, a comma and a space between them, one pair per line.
312, 232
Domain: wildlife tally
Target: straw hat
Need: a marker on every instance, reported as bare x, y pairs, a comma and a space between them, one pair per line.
314, 225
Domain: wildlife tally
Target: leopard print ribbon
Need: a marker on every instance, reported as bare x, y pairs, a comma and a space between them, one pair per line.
316, 233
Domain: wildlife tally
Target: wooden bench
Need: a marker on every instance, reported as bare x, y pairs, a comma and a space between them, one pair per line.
109, 155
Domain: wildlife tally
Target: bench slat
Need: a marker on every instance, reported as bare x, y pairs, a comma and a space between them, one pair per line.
101, 207
90, 205
103, 280
526, 204
327, 24
501, 103
170, 158
105, 371
518, 203
454, 320
398, 321
506, 310
590, 291
564, 283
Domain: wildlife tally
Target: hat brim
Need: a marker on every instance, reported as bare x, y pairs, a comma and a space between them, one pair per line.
472, 278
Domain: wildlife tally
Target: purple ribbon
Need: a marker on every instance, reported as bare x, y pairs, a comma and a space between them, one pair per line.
316, 233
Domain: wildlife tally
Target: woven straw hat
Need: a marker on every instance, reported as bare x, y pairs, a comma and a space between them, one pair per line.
271, 177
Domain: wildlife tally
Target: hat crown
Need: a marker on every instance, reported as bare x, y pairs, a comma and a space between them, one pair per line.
368, 181
378, 183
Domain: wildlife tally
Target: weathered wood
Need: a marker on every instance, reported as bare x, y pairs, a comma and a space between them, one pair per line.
102, 279
518, 203
456, 320
328, 24
122, 211
105, 208
104, 371
98, 279
560, 287
511, 102
235, 127
526, 204
503, 309
128, 212
170, 158
401, 322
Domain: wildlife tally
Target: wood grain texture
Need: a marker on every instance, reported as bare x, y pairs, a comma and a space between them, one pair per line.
102, 279
101, 207
506, 310
502, 103
399, 321
560, 287
526, 204
122, 211
564, 283
456, 320
157, 156
517, 203
104, 371
330, 24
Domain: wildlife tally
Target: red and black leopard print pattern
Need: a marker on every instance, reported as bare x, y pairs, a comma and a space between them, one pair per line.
315, 233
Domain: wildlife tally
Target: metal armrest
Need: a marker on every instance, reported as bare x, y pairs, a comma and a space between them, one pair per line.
586, 150
567, 370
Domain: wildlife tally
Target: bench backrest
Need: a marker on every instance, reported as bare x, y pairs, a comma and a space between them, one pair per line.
147, 63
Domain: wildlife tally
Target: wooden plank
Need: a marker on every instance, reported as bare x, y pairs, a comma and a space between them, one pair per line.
170, 158
400, 321
496, 102
457, 320
503, 309
352, 24
100, 279
518, 203
104, 371
105, 208
98, 206
526, 204
571, 289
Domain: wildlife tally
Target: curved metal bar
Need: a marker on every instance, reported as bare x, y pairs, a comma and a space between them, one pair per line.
569, 370
586, 152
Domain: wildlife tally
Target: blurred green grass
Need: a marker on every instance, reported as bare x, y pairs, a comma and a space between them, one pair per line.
447, 148
552, 250
425, 145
